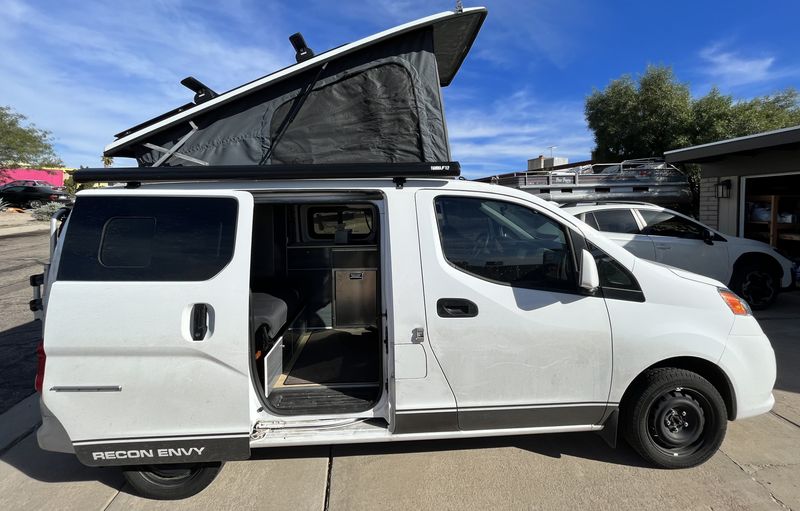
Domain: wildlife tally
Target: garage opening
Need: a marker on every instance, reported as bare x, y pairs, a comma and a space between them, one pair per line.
315, 307
772, 212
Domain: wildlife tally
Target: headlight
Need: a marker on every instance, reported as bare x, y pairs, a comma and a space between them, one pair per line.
738, 306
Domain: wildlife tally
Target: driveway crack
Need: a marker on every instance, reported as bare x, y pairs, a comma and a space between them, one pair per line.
771, 495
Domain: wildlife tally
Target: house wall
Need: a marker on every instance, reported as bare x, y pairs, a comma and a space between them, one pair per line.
709, 204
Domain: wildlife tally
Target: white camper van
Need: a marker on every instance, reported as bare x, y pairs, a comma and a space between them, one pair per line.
226, 307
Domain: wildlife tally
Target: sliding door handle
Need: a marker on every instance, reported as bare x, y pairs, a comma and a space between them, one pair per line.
199, 321
456, 308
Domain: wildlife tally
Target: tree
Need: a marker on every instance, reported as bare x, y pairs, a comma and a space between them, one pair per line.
22, 143
657, 113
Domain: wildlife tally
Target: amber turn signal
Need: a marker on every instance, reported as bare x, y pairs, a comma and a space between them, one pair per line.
736, 304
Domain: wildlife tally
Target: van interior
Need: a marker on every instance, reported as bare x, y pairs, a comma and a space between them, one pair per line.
316, 339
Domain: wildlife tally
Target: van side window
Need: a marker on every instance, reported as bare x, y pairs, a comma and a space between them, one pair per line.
505, 243
127, 242
148, 238
323, 221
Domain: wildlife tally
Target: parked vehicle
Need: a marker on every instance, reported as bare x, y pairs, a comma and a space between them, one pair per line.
295, 313
650, 179
754, 270
299, 286
32, 196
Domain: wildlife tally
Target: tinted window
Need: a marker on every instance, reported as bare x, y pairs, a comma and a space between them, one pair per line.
323, 221
615, 280
148, 238
664, 223
589, 219
127, 242
616, 220
505, 243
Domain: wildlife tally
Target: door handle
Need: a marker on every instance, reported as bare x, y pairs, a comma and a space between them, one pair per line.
456, 308
199, 321
663, 247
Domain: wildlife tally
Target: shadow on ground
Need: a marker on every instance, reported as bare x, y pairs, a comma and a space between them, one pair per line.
51, 467
18, 363
578, 445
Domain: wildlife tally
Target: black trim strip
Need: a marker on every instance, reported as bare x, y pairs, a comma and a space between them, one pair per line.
269, 172
500, 417
540, 417
425, 422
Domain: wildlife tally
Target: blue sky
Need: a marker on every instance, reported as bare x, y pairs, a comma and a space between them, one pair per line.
86, 70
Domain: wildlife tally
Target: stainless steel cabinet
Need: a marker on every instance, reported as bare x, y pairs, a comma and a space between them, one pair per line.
355, 298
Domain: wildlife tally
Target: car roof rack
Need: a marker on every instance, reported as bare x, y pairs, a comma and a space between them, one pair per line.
571, 204
397, 171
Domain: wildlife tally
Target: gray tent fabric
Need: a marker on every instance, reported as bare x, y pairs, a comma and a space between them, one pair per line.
380, 104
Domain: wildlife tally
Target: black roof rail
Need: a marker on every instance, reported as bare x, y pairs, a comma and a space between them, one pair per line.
448, 169
569, 204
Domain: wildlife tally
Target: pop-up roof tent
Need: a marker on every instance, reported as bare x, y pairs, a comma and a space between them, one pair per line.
377, 100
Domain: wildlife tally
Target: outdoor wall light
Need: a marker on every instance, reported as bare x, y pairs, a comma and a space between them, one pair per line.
724, 189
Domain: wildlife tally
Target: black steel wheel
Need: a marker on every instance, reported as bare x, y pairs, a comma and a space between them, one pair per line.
171, 482
758, 285
674, 418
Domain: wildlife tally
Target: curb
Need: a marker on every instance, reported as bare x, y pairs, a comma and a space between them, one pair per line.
24, 229
19, 422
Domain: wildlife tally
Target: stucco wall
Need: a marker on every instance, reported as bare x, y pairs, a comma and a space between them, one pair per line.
54, 177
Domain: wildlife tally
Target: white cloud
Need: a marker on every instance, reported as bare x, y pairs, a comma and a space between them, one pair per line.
731, 69
87, 73
501, 136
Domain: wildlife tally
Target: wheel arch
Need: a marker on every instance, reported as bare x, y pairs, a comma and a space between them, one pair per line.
757, 258
708, 370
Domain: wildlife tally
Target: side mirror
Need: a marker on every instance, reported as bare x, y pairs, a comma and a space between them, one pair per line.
708, 237
590, 278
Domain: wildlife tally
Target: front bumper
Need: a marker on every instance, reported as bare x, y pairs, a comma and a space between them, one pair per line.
749, 362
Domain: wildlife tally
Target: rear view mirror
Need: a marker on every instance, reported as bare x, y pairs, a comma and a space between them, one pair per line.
708, 237
590, 278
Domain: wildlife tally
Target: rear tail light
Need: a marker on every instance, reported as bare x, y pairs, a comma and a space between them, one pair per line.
738, 306
41, 357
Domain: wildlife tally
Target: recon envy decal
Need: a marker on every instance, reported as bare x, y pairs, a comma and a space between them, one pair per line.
148, 452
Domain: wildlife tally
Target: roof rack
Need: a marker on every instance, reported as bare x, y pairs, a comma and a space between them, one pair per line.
570, 204
398, 171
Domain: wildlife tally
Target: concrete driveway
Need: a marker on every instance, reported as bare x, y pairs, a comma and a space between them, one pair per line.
758, 466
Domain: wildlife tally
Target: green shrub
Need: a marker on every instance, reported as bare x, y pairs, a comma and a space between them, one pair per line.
43, 213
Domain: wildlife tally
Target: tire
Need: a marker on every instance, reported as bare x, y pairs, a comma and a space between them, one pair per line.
674, 418
757, 284
35, 203
171, 482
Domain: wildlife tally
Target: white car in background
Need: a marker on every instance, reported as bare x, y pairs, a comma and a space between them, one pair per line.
753, 269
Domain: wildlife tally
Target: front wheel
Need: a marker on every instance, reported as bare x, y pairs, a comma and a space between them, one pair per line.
171, 482
675, 418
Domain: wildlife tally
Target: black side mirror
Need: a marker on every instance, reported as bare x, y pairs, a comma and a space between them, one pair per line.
708, 237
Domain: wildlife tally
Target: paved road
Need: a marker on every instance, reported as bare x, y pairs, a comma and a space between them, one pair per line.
758, 466
20, 257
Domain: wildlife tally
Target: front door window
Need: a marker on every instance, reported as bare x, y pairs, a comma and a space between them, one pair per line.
505, 243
